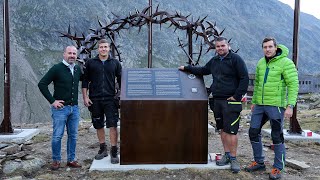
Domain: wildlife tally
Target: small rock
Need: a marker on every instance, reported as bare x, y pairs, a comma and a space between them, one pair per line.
15, 178
2, 145
12, 149
29, 142
2, 154
26, 148
296, 164
28, 157
17, 155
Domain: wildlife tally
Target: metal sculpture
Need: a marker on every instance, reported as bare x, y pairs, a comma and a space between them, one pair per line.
200, 27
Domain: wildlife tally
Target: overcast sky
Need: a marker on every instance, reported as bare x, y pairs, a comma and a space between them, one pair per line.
307, 6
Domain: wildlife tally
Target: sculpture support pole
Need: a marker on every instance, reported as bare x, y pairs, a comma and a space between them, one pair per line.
6, 123
189, 31
294, 124
150, 37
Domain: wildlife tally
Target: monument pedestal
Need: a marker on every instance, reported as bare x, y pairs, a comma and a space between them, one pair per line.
164, 117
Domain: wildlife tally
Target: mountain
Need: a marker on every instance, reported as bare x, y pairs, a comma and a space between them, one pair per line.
36, 45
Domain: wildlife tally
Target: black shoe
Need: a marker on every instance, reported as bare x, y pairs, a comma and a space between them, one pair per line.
223, 161
101, 154
114, 160
235, 166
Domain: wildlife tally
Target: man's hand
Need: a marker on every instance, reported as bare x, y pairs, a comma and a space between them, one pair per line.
231, 99
87, 102
251, 107
288, 112
58, 104
181, 68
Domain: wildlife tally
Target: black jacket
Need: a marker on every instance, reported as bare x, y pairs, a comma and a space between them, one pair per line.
230, 76
100, 77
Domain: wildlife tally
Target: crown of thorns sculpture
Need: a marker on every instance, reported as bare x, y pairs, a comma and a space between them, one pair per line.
201, 28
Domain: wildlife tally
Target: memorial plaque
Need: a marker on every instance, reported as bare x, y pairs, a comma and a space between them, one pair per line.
164, 117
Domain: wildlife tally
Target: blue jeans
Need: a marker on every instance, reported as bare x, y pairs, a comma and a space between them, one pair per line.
67, 116
260, 115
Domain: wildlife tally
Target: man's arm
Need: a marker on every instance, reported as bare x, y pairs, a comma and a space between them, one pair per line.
197, 70
290, 76
43, 87
242, 73
85, 84
44, 83
118, 74
86, 100
256, 85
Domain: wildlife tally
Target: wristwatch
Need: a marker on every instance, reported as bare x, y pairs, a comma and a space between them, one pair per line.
290, 106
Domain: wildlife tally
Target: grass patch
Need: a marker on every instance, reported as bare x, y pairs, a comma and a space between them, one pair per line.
41, 138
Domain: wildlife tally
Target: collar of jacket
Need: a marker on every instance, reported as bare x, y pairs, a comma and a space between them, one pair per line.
228, 56
98, 59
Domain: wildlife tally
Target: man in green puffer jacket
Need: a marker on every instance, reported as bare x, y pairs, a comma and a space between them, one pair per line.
275, 94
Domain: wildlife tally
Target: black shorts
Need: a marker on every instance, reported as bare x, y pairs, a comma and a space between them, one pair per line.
104, 111
227, 115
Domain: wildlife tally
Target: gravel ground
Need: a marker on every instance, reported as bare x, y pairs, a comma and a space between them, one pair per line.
87, 147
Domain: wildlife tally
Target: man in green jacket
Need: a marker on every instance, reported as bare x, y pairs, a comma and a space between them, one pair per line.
64, 105
275, 94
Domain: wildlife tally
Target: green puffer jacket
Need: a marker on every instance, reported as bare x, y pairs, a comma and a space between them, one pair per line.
272, 79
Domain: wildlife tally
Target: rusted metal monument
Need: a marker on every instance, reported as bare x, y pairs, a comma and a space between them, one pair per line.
173, 133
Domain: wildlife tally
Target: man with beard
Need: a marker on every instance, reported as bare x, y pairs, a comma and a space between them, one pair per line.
230, 83
65, 111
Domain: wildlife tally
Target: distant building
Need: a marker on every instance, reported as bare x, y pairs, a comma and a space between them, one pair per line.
307, 84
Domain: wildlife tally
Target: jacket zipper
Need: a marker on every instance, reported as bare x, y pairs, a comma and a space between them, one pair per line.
265, 79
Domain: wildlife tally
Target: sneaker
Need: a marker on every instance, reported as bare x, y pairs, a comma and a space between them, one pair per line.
114, 160
275, 174
55, 165
101, 154
235, 166
254, 166
223, 161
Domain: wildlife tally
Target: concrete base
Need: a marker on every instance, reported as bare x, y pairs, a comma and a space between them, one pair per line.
295, 137
105, 165
19, 136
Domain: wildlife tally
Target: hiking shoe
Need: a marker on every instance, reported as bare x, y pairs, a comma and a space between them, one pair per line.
254, 166
114, 160
275, 174
235, 166
55, 165
101, 154
223, 161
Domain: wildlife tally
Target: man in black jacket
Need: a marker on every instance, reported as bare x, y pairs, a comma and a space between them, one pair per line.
100, 73
230, 83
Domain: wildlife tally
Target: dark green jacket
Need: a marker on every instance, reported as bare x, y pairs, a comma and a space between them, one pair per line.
65, 85
276, 82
